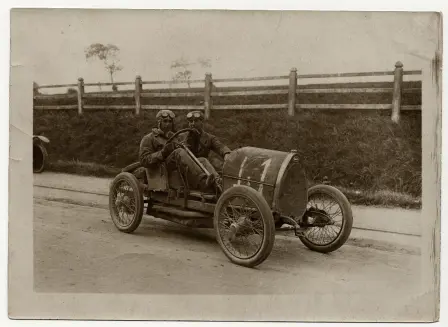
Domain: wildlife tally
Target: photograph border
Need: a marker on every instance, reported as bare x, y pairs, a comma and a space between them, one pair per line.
23, 303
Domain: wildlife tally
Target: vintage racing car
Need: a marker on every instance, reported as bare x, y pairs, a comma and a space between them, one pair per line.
261, 191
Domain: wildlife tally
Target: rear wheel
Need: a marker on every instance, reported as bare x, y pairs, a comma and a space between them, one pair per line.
126, 202
244, 226
330, 218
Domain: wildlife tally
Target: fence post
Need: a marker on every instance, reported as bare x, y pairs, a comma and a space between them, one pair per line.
292, 91
138, 90
208, 95
396, 100
35, 89
80, 95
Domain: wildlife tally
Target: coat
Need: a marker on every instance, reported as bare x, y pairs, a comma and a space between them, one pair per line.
207, 142
151, 146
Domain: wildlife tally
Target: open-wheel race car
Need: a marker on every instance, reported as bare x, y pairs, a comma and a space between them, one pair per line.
261, 191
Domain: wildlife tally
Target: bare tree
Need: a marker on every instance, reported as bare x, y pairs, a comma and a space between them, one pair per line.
108, 54
183, 72
184, 75
204, 62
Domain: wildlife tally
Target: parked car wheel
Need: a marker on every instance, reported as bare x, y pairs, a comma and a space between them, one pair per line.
40, 156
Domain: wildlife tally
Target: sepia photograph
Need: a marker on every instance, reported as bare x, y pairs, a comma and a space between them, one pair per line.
225, 165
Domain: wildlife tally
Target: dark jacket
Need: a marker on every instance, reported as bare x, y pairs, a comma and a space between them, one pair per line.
207, 142
151, 146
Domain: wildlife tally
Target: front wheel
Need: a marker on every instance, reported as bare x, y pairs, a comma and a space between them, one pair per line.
244, 226
126, 202
328, 219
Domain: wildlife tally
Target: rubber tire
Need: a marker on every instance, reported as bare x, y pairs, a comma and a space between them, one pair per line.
268, 220
347, 222
130, 168
43, 152
138, 195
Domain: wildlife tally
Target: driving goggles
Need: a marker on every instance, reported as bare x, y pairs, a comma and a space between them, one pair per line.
166, 114
194, 114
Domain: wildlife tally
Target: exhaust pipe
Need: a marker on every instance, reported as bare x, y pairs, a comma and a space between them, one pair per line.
187, 214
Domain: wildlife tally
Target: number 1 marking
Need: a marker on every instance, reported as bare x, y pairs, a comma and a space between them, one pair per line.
241, 171
266, 165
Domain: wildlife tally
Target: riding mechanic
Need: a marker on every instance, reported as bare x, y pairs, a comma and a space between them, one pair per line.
203, 142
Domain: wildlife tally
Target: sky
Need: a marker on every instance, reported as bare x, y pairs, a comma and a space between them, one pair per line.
238, 44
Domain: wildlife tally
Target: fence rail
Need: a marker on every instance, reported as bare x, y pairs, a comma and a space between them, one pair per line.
209, 91
175, 82
247, 79
109, 95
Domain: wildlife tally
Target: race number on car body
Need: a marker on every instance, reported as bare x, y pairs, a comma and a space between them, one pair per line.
265, 171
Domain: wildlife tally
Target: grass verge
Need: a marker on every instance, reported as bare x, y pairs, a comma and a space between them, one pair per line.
383, 198
76, 167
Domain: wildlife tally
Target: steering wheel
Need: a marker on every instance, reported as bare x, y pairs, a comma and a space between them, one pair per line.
171, 139
181, 131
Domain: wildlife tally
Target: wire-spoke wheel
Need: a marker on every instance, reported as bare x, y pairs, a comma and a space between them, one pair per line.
126, 202
330, 218
244, 226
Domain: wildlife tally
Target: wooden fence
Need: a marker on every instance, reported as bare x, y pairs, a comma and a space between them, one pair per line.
208, 92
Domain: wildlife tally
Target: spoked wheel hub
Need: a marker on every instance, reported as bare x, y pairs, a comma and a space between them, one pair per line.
244, 226
318, 218
323, 220
328, 219
126, 202
237, 227
241, 227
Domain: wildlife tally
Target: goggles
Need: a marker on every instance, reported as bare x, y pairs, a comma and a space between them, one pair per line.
166, 114
195, 114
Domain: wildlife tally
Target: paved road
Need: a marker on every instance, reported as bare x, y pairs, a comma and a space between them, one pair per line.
77, 249
395, 228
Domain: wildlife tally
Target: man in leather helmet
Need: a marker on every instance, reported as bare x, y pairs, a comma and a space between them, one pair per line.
152, 144
154, 150
202, 143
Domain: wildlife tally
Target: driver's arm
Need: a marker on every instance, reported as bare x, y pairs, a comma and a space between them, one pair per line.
148, 154
219, 147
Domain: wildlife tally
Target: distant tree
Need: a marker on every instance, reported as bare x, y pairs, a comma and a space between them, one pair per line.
71, 90
108, 54
204, 62
182, 71
184, 75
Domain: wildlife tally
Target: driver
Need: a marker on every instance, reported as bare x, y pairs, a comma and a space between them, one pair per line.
154, 150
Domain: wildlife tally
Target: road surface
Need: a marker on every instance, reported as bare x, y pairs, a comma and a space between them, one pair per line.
384, 228
78, 250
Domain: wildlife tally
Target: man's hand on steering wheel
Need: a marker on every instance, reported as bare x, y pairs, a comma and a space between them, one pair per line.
168, 148
172, 144
195, 131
